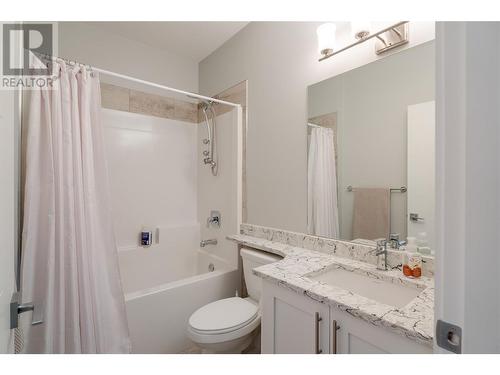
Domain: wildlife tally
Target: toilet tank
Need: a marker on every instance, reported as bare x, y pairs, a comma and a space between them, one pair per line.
253, 259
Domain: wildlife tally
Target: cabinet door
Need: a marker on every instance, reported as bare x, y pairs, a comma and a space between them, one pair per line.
292, 323
356, 336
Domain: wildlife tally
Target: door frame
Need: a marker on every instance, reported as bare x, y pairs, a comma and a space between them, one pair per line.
468, 182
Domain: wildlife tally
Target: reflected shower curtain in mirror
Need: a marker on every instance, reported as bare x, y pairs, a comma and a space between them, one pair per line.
70, 261
322, 206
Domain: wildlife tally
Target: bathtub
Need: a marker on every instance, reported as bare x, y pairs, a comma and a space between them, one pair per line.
162, 289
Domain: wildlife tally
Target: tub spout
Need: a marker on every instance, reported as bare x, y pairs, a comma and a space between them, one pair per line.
204, 243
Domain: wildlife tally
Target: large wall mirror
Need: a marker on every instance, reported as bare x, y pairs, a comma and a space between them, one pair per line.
371, 141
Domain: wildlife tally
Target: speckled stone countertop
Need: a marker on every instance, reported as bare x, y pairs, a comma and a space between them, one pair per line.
415, 320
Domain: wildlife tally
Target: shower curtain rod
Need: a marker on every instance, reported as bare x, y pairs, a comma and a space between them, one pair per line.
314, 125
152, 84
148, 83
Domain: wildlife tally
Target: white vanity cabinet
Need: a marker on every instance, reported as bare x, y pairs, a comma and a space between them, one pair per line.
356, 336
294, 323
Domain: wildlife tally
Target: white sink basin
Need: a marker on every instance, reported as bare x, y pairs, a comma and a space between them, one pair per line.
378, 290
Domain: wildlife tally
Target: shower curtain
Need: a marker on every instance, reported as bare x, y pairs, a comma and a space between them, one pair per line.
322, 206
69, 255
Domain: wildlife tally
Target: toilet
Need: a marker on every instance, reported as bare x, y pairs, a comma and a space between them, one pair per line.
229, 325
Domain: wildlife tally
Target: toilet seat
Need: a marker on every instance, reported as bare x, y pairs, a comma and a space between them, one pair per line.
224, 320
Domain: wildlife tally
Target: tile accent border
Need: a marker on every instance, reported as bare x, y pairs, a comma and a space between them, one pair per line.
128, 100
339, 248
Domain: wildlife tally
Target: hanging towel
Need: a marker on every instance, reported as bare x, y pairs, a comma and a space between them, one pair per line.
371, 213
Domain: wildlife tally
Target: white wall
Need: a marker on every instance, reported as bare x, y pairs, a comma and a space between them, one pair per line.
90, 45
371, 103
279, 59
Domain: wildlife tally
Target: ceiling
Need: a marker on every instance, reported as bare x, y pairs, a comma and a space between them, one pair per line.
193, 40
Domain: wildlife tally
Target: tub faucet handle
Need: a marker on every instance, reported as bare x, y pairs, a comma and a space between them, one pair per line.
214, 219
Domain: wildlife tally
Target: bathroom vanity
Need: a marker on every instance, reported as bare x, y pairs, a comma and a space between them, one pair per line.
327, 297
294, 323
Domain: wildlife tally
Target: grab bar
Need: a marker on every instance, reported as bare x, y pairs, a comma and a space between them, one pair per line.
402, 189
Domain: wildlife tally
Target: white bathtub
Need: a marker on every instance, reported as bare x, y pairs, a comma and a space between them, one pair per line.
158, 316
165, 284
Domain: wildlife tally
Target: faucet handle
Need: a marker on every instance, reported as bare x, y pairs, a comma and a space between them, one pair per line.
394, 236
381, 242
214, 218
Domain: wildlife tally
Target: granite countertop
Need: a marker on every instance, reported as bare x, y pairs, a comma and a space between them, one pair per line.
415, 320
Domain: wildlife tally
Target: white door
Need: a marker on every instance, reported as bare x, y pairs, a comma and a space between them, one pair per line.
421, 170
468, 184
7, 214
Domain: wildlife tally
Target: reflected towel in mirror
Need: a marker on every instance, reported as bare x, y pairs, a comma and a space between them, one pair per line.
371, 213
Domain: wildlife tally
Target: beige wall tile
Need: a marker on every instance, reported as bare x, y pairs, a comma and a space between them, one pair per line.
186, 111
149, 104
114, 97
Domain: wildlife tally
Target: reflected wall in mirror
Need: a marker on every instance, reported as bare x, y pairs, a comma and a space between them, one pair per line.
370, 151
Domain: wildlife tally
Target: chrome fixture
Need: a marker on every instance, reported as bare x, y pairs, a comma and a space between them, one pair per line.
317, 320
402, 189
360, 29
16, 308
391, 37
335, 328
210, 155
381, 253
214, 219
415, 218
211, 241
395, 242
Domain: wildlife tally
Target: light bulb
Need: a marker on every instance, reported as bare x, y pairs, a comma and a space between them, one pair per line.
326, 38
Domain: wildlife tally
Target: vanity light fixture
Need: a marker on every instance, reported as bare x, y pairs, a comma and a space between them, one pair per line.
326, 38
360, 29
387, 39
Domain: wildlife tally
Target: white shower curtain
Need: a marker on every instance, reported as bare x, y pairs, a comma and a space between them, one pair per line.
323, 217
70, 261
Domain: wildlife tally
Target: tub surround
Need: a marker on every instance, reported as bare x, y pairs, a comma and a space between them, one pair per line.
415, 320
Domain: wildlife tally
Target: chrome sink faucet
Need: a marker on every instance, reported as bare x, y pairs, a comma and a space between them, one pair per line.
381, 253
395, 242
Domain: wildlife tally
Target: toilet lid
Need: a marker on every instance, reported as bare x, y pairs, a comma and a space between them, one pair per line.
223, 315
